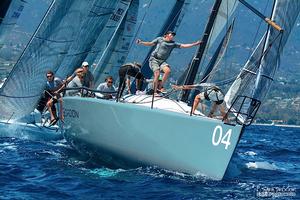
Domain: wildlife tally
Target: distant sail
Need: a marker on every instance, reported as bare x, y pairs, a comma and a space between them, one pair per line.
101, 14
257, 75
118, 48
45, 51
10, 11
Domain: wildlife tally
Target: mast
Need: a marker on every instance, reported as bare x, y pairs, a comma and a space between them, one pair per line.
194, 66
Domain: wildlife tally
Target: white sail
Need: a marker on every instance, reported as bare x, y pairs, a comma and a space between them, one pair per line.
257, 75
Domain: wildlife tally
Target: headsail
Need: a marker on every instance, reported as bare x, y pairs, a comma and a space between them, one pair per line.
221, 13
44, 52
257, 75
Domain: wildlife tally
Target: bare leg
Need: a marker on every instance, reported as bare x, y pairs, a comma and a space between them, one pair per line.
223, 113
196, 103
166, 69
61, 110
155, 81
213, 109
49, 105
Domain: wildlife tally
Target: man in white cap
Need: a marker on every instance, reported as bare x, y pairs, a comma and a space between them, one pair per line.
88, 79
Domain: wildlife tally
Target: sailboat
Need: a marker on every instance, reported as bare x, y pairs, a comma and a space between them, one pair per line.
55, 42
140, 130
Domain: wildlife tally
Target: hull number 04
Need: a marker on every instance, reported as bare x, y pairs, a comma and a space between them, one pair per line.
219, 138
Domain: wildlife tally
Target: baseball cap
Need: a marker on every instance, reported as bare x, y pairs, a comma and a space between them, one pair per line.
170, 32
85, 64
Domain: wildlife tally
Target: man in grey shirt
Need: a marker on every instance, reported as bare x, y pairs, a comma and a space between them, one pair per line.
164, 47
77, 81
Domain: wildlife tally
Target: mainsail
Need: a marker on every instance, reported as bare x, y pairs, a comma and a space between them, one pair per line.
45, 51
221, 13
257, 75
117, 50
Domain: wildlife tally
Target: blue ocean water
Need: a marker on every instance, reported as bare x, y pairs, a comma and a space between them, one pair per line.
41, 165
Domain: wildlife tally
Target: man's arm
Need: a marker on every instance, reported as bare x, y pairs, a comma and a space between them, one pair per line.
190, 45
138, 41
183, 87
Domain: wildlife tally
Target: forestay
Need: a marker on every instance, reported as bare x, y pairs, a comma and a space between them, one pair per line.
257, 75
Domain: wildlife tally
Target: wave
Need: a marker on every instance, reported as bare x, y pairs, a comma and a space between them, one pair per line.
29, 132
262, 165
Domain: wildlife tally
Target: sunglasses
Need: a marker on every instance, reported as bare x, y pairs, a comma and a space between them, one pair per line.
49, 76
109, 81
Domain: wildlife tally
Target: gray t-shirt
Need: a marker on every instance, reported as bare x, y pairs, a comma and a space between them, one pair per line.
53, 85
88, 77
73, 84
163, 48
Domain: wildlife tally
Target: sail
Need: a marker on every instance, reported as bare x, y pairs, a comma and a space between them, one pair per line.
118, 48
213, 65
45, 51
106, 35
221, 13
10, 11
100, 15
257, 75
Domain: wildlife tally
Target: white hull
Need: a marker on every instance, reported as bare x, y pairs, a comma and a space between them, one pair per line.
131, 135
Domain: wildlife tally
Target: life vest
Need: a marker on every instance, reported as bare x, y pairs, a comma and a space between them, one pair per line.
214, 94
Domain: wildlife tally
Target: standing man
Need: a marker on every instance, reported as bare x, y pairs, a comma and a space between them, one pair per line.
164, 47
88, 79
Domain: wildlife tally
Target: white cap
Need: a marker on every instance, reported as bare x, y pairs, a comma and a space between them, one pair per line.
85, 64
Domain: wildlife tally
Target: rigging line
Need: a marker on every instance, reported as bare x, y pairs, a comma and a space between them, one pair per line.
54, 41
20, 97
